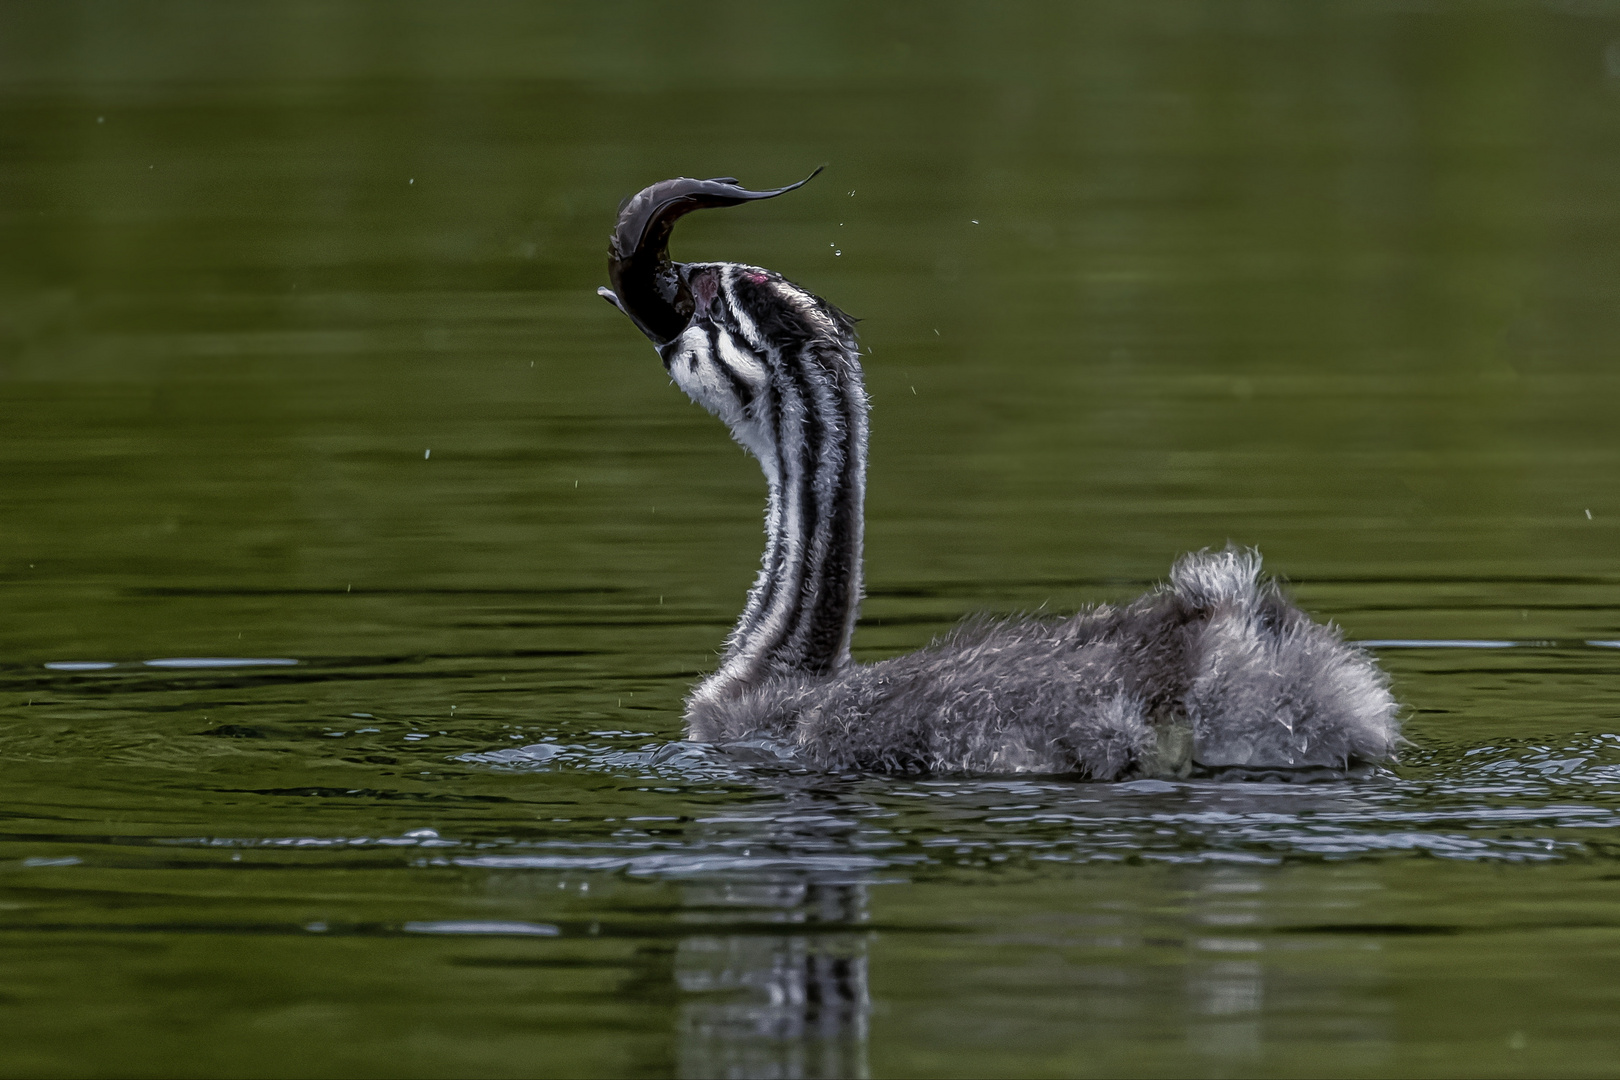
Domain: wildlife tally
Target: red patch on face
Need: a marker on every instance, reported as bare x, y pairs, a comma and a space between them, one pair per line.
705, 284
756, 277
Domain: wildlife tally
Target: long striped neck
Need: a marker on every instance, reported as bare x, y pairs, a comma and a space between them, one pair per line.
792, 366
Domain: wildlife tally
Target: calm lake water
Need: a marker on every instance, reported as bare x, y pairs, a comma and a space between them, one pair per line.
302, 373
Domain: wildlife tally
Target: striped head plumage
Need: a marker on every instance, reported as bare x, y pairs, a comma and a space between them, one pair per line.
781, 368
758, 346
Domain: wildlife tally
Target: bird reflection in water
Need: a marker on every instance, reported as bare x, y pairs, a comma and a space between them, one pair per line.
787, 997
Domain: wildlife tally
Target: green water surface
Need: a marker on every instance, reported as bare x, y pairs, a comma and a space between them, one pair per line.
300, 361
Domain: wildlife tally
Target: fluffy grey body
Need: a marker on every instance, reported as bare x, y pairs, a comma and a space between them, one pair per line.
1215, 670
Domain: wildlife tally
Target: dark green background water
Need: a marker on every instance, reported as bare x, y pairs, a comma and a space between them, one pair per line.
1336, 279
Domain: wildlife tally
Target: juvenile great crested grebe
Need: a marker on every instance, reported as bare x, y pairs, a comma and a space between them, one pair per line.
1213, 671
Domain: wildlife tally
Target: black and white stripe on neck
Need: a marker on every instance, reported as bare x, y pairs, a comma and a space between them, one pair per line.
806, 422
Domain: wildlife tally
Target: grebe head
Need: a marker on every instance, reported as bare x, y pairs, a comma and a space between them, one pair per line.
728, 333
653, 291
